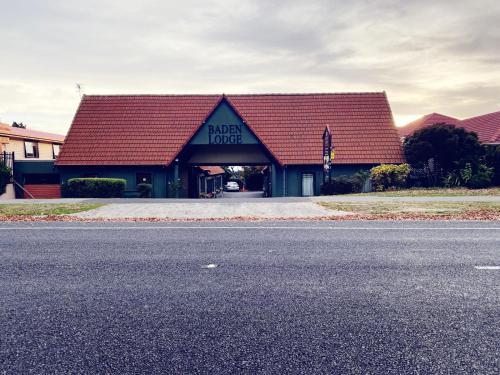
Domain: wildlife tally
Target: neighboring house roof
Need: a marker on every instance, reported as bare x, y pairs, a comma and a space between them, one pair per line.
12, 132
487, 127
212, 169
424, 121
153, 129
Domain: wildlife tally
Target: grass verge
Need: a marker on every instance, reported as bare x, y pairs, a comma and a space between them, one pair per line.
434, 192
8, 210
419, 210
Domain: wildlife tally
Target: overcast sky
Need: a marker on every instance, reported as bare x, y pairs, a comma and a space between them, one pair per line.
429, 56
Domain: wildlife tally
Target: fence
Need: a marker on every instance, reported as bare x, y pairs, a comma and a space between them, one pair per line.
7, 159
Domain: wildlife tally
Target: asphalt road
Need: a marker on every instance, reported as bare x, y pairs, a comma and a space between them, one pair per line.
342, 298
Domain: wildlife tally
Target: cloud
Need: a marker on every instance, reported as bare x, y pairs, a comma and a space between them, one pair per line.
428, 55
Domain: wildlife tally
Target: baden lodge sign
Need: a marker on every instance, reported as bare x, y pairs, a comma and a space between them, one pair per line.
224, 134
224, 127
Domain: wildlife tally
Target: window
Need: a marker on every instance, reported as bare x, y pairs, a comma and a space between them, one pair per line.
143, 178
31, 149
55, 150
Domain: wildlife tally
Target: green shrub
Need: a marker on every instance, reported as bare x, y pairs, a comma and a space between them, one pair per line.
341, 185
144, 190
481, 179
452, 180
174, 188
94, 188
389, 176
492, 160
5, 174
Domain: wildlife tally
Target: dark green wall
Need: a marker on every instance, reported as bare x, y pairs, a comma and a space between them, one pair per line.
23, 167
163, 175
293, 177
159, 175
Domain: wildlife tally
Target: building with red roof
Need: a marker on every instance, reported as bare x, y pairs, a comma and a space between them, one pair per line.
30, 154
487, 127
166, 136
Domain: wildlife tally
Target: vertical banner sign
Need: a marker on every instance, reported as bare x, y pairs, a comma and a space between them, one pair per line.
328, 154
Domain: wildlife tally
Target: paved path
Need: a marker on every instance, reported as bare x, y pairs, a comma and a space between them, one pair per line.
196, 209
242, 194
295, 298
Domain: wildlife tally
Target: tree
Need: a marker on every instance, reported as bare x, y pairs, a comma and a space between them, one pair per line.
18, 125
450, 147
254, 179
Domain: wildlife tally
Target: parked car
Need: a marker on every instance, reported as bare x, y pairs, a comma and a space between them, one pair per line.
232, 186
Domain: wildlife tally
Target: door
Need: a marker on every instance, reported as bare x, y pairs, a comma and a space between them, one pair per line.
307, 184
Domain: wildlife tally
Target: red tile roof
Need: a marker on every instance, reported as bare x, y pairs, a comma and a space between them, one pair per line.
212, 169
427, 120
30, 134
153, 129
487, 127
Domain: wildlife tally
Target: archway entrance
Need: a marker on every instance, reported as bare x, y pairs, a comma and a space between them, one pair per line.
229, 182
224, 141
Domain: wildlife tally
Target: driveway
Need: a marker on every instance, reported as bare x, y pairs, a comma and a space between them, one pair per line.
215, 209
295, 298
242, 195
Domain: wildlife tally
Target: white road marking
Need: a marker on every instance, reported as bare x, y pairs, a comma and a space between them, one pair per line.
246, 227
487, 267
211, 265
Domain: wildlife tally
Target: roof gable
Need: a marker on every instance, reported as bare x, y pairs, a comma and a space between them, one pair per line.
223, 126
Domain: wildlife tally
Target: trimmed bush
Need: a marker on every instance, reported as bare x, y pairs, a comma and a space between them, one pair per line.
342, 185
144, 190
389, 176
5, 174
93, 188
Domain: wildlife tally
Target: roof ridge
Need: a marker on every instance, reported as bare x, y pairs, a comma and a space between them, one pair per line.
484, 115
148, 95
249, 94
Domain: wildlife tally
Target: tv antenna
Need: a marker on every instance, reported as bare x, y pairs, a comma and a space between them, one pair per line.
79, 88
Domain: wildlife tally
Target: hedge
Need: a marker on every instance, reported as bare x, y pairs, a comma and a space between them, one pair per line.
93, 188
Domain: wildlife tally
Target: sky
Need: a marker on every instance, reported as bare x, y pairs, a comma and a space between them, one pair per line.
429, 56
